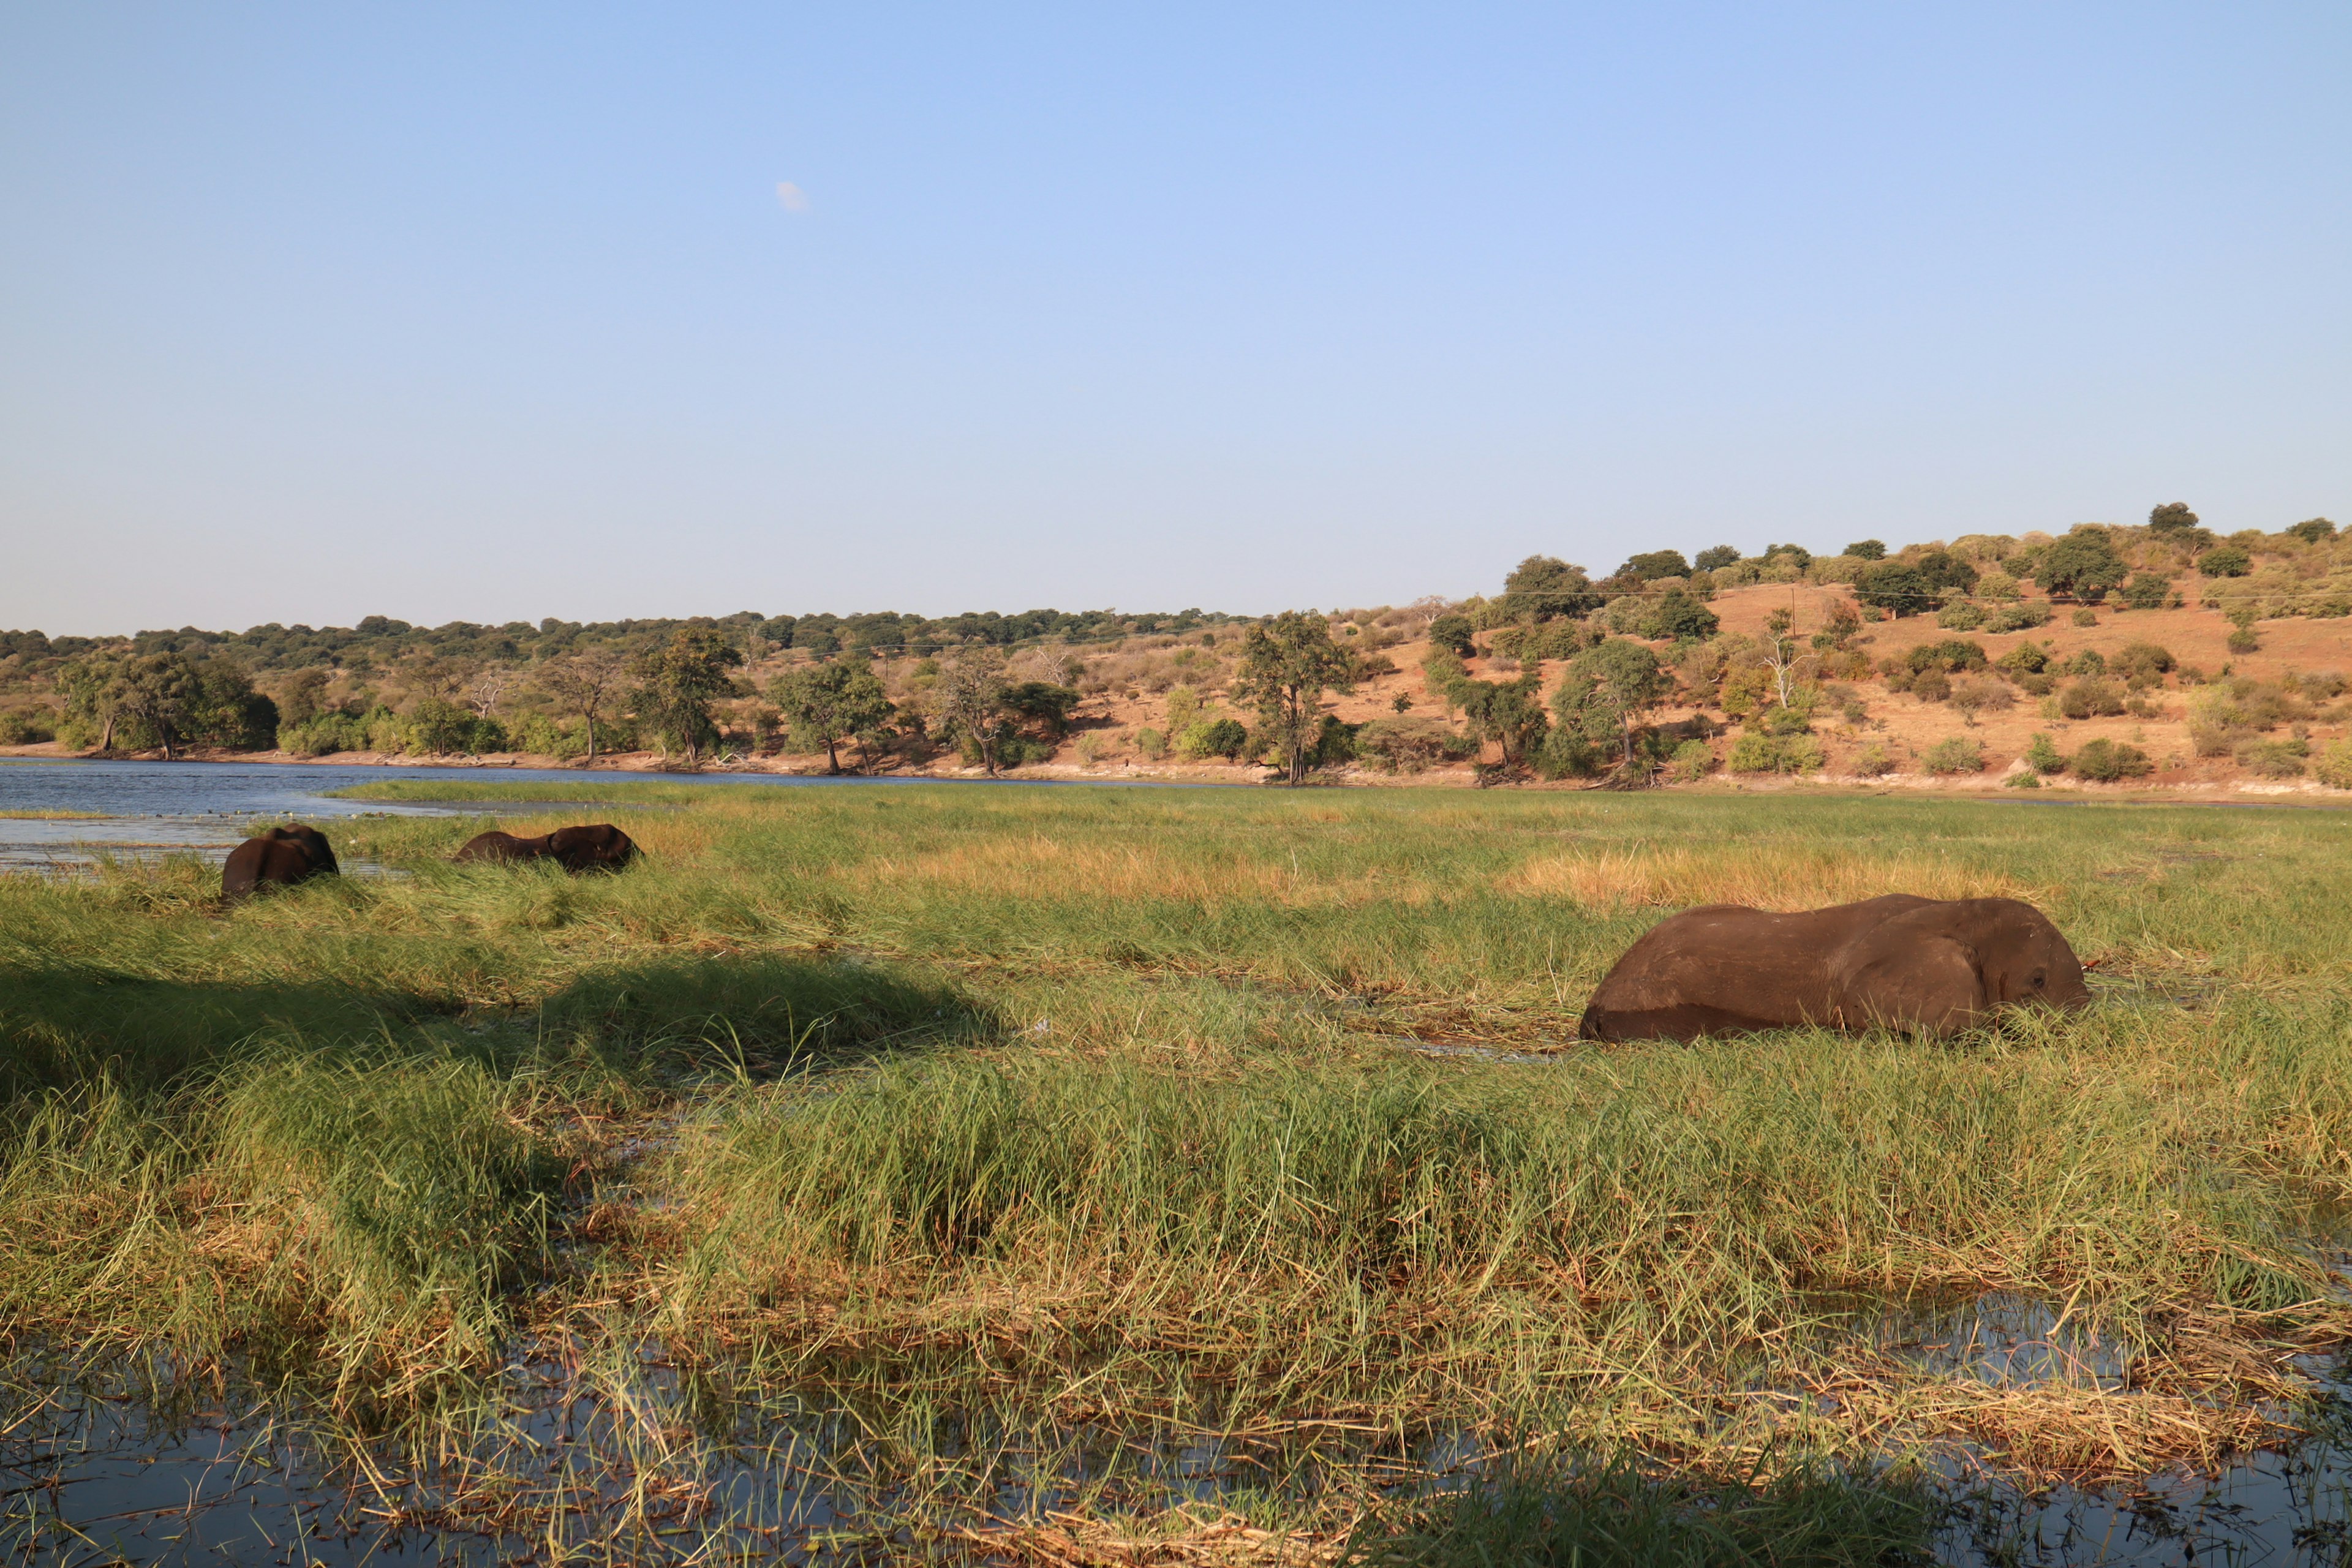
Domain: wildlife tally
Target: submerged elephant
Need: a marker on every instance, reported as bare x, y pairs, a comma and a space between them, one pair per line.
594, 846
1922, 965
283, 857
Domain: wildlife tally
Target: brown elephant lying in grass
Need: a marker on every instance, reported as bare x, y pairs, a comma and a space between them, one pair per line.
594, 847
280, 858
1922, 965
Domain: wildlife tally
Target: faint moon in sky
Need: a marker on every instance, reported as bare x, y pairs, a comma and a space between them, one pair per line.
795, 200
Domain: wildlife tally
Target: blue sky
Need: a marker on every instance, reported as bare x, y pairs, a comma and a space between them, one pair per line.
497, 313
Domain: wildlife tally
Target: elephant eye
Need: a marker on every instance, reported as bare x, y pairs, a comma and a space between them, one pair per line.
2036, 981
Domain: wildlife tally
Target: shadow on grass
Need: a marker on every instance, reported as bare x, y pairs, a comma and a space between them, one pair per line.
63, 1025
758, 1014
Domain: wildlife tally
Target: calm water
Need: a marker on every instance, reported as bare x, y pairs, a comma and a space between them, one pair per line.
205, 807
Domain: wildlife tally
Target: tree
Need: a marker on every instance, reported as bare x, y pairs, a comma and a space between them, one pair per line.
831, 701
970, 701
2314, 531
1780, 656
96, 689
1652, 565
1454, 634
1868, 549
1544, 587
1607, 689
1895, 587
2172, 516
1678, 617
679, 680
1508, 713
2083, 567
583, 682
1287, 663
1715, 557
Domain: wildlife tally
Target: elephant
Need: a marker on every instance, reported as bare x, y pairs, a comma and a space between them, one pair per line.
594, 846
1926, 966
283, 857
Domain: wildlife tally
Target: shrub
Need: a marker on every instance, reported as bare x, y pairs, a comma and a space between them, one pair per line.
2274, 759
1409, 745
2334, 766
1954, 754
1951, 656
2025, 658
2027, 780
2091, 698
1151, 743
1976, 694
2043, 756
2225, 560
1874, 761
2143, 663
1692, 761
2019, 617
1214, 738
1964, 616
2147, 592
2090, 661
1568, 753
1778, 755
2086, 617
24, 729
2244, 640
1998, 586
2107, 760
1931, 685
2037, 685
325, 733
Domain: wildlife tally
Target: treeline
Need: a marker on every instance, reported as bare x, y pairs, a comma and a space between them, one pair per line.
380, 642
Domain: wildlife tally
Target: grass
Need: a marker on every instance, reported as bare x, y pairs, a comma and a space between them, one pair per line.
1114, 1111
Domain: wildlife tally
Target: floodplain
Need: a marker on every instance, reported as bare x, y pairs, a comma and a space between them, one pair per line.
1093, 1174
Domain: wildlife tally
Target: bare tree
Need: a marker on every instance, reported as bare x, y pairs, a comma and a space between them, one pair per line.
1780, 656
583, 682
489, 686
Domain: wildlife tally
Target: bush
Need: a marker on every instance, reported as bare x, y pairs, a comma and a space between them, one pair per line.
1874, 761
2037, 685
2086, 617
1151, 743
2225, 560
2334, 766
2025, 658
1931, 685
1975, 694
24, 729
2091, 698
2274, 759
1964, 616
1224, 738
2043, 756
1410, 745
324, 734
2090, 661
2143, 663
1692, 761
2244, 640
1951, 656
2104, 762
1778, 755
1998, 586
2019, 617
1954, 754
1565, 753
2147, 592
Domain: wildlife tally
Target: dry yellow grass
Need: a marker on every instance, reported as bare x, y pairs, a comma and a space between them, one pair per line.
1764, 876
1037, 867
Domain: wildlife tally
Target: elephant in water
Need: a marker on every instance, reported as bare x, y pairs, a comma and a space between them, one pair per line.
283, 855
1922, 965
594, 847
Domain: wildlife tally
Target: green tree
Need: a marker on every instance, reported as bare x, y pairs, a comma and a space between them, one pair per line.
1715, 557
678, 681
2172, 516
970, 701
1895, 587
1508, 713
1544, 588
1652, 565
2083, 567
1287, 663
1608, 688
97, 688
1454, 634
832, 702
1868, 549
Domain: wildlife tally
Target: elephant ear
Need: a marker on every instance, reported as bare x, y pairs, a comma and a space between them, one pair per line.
1928, 986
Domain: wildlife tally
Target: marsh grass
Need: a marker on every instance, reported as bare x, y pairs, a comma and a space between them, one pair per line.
1105, 1107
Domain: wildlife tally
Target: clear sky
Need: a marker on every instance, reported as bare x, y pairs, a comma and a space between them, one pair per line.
501, 311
